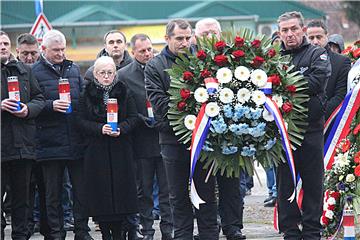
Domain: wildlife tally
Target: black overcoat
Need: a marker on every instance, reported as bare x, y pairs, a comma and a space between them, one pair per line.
109, 179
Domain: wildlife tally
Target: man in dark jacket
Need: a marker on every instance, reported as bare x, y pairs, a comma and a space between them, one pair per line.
231, 201
314, 64
146, 142
340, 66
17, 136
175, 155
115, 47
59, 142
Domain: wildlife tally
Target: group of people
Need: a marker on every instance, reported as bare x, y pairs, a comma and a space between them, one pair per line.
112, 169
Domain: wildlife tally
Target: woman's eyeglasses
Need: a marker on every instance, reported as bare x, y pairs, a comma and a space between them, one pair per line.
108, 73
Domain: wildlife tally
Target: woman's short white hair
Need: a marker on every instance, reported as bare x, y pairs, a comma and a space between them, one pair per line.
104, 60
53, 36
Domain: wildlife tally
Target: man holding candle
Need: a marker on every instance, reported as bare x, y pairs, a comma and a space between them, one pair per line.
21, 102
59, 142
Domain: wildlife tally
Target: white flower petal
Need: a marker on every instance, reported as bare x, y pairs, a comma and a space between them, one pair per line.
267, 115
212, 109
278, 100
243, 95
189, 122
224, 75
258, 97
226, 95
201, 95
242, 73
258, 77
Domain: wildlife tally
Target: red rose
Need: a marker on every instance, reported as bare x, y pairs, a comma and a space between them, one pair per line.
256, 43
187, 76
347, 50
257, 61
356, 53
324, 220
239, 42
185, 93
181, 106
357, 43
238, 54
220, 45
205, 73
291, 88
285, 67
357, 171
201, 54
220, 60
331, 207
271, 53
275, 79
345, 146
335, 195
287, 107
357, 157
356, 129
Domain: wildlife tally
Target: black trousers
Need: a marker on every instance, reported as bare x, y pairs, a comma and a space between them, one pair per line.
154, 167
231, 204
17, 174
309, 164
177, 166
50, 183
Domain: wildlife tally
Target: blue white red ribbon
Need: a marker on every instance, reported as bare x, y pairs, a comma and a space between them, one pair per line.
342, 124
199, 134
271, 106
211, 84
331, 118
267, 89
150, 111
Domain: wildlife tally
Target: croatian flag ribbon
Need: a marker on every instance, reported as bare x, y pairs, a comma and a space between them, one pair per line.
271, 106
332, 118
341, 125
267, 89
199, 134
150, 111
14, 91
112, 113
211, 84
349, 224
64, 92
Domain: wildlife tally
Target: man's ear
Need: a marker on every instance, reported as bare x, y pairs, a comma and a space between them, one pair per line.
304, 28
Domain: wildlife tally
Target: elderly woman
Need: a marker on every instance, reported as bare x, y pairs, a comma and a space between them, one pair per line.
109, 180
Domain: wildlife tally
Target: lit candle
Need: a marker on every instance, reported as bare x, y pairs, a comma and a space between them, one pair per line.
64, 92
112, 113
150, 111
13, 88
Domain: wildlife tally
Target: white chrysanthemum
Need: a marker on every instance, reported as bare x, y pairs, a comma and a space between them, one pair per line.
243, 95
224, 75
226, 95
189, 122
350, 178
331, 201
341, 160
201, 95
242, 73
278, 100
329, 214
212, 109
267, 115
258, 97
258, 77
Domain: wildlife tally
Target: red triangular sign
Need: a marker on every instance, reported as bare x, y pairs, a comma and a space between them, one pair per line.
40, 27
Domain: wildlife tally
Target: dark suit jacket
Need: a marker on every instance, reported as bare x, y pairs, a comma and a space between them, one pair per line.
336, 86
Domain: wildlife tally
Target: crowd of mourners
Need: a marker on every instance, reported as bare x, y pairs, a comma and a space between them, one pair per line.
56, 133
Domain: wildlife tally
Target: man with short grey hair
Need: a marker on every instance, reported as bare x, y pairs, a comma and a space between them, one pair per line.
59, 142
313, 63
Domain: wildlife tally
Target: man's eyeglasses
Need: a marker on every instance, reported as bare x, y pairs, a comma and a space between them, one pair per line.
108, 73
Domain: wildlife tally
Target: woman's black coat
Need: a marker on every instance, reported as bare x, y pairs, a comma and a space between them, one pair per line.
109, 179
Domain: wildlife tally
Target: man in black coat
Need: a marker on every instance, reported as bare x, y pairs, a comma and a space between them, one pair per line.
314, 65
340, 66
59, 142
231, 199
17, 136
115, 47
146, 142
175, 155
